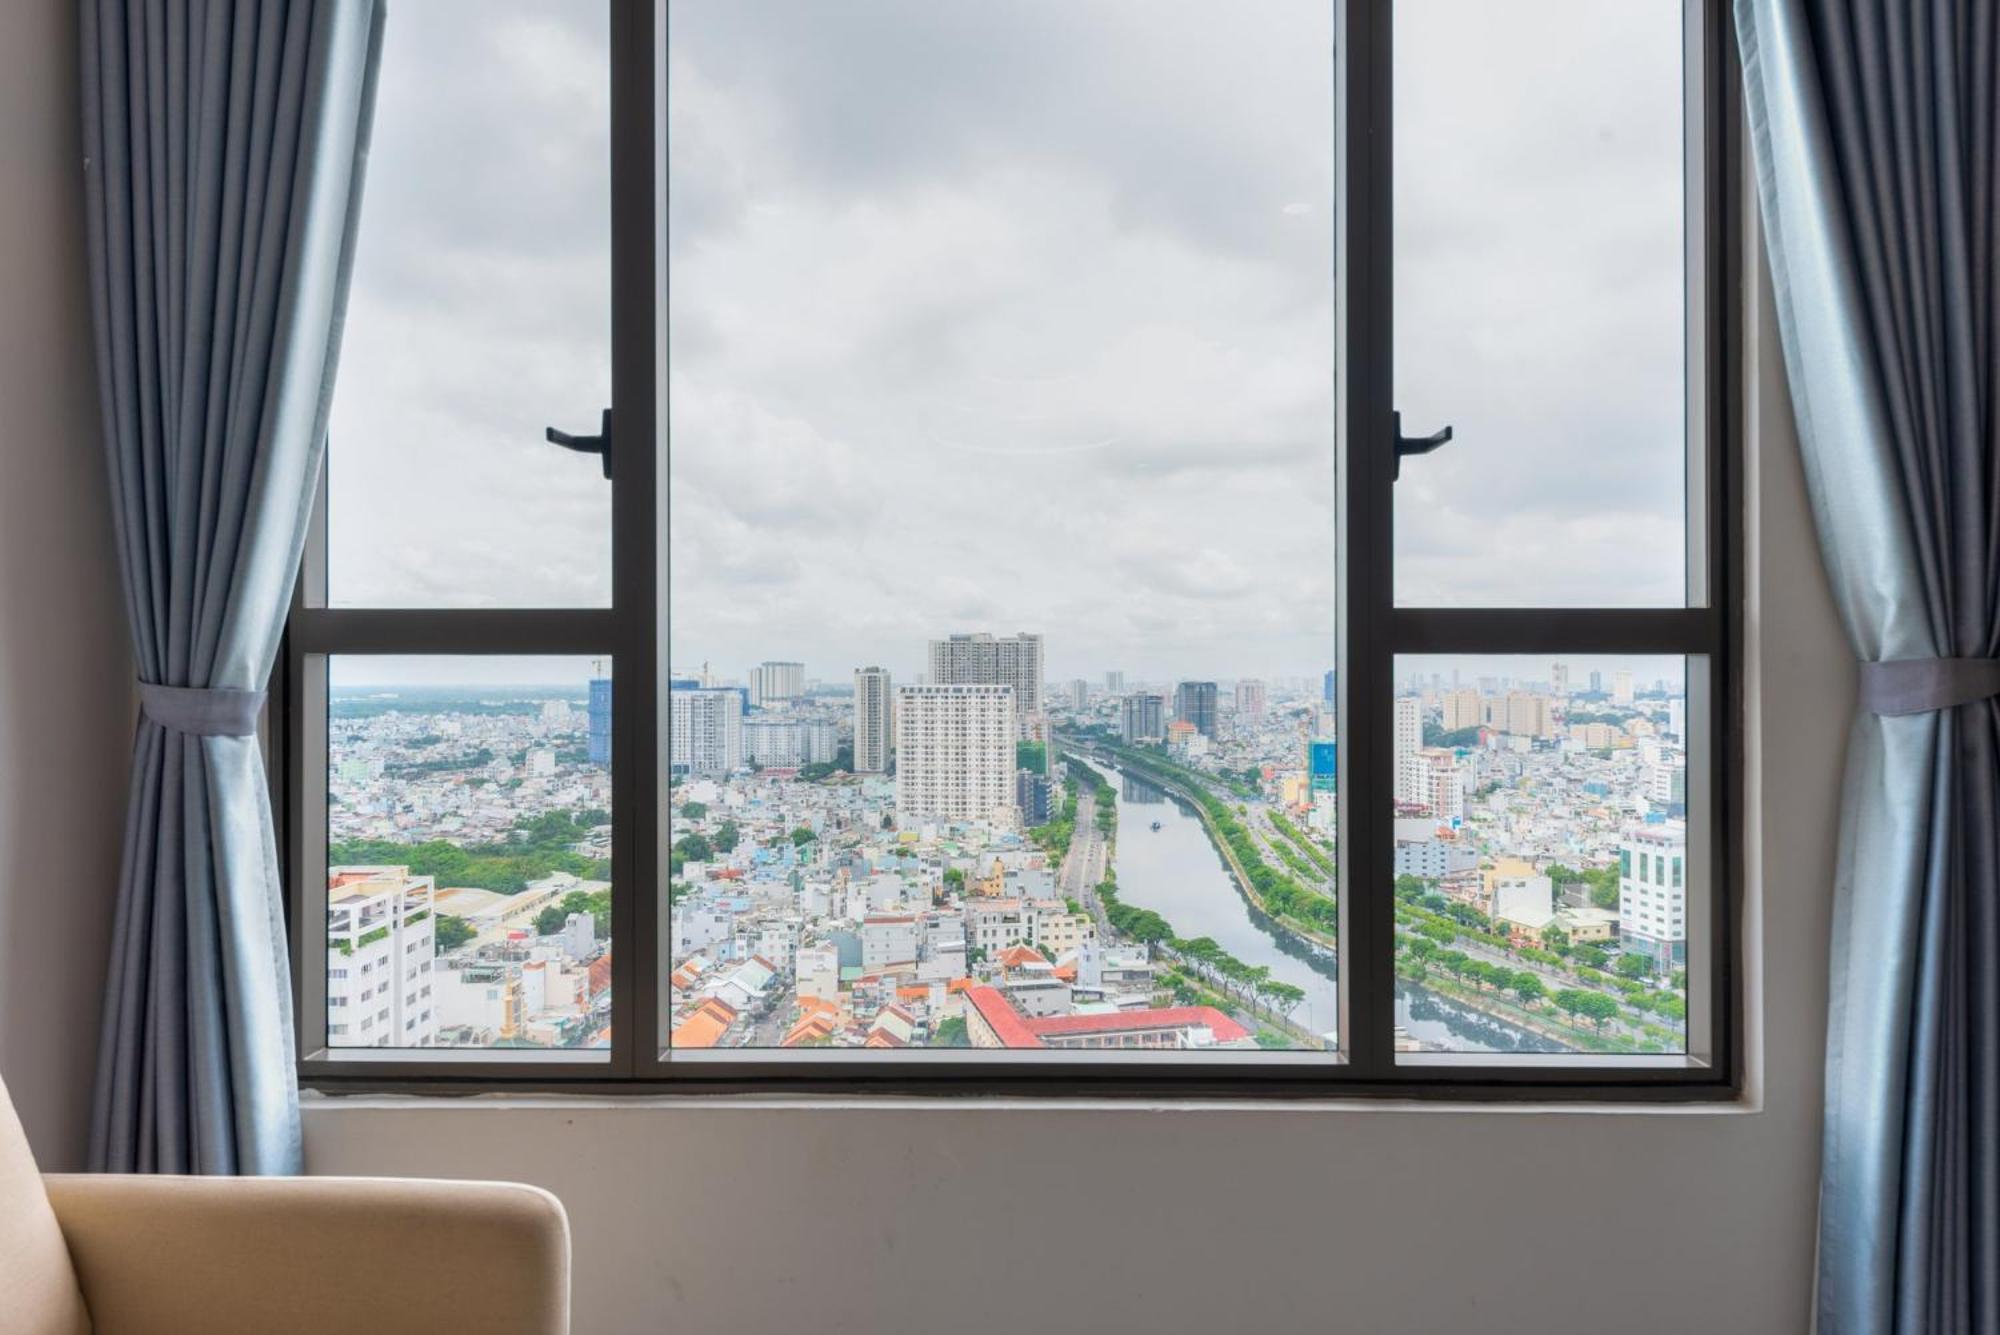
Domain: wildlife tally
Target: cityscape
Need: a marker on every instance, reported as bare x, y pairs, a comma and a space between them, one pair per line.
866, 863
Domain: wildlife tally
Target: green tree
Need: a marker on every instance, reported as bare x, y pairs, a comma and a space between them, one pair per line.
452, 932
1634, 965
802, 836
726, 837
694, 810
951, 1034
694, 847
1528, 987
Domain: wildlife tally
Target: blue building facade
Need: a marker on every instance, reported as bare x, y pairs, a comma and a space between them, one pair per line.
600, 721
1323, 765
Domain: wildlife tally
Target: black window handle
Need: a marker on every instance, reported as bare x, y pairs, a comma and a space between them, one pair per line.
599, 444
1407, 445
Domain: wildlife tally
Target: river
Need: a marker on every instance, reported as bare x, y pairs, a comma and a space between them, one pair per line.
1176, 872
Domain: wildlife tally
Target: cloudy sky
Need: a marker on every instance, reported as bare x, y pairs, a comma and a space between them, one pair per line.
1018, 315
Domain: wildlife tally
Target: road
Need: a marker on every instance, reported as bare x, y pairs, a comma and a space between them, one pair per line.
1083, 866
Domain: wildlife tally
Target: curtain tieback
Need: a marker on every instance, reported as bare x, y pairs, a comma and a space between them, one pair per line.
217, 711
1922, 685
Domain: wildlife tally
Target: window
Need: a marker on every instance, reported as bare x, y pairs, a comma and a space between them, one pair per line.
868, 545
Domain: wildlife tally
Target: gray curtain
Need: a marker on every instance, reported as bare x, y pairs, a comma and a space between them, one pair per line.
223, 142
1874, 129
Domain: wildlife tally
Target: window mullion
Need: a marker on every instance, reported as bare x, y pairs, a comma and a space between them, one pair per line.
634, 540
1365, 377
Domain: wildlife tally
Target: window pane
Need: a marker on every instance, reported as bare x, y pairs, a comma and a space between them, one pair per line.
1543, 874
1001, 521
479, 316
1540, 281
468, 852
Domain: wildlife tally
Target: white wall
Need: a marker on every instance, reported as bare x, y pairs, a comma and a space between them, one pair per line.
974, 1218
65, 669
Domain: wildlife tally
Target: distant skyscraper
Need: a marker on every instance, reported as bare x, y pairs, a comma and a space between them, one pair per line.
955, 752
981, 659
774, 682
1328, 686
1528, 715
1114, 683
1031, 795
1596, 682
872, 707
1249, 699
1194, 702
1462, 709
600, 721
1412, 777
1621, 688
1559, 680
1142, 717
1323, 765
1079, 694
705, 732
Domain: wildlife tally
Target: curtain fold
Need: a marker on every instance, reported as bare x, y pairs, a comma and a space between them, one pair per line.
224, 143
1873, 129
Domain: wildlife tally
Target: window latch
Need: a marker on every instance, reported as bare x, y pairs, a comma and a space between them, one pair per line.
1405, 445
599, 444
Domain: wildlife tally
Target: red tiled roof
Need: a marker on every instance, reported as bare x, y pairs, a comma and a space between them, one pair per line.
1017, 1031
1170, 1017
1001, 1017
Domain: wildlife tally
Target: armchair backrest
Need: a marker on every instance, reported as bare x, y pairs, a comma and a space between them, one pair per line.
38, 1290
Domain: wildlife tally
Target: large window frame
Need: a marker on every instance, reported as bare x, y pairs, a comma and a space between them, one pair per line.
1371, 631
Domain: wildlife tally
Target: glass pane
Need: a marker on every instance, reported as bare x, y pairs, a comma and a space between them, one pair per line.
1001, 521
468, 852
480, 315
1546, 882
1540, 283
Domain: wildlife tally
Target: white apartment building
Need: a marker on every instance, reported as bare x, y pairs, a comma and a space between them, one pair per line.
773, 682
381, 947
1652, 892
874, 708
1621, 688
787, 744
955, 753
1412, 772
981, 659
1250, 697
1441, 784
705, 731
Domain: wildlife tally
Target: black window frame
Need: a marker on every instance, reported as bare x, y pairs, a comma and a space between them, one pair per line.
1371, 631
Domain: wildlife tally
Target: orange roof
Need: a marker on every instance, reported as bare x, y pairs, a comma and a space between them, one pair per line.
815, 1026
703, 1029
912, 993
882, 1038
1013, 957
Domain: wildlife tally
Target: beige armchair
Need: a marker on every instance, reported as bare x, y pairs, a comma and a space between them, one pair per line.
104, 1255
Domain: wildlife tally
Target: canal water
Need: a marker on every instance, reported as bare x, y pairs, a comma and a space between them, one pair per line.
1176, 872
